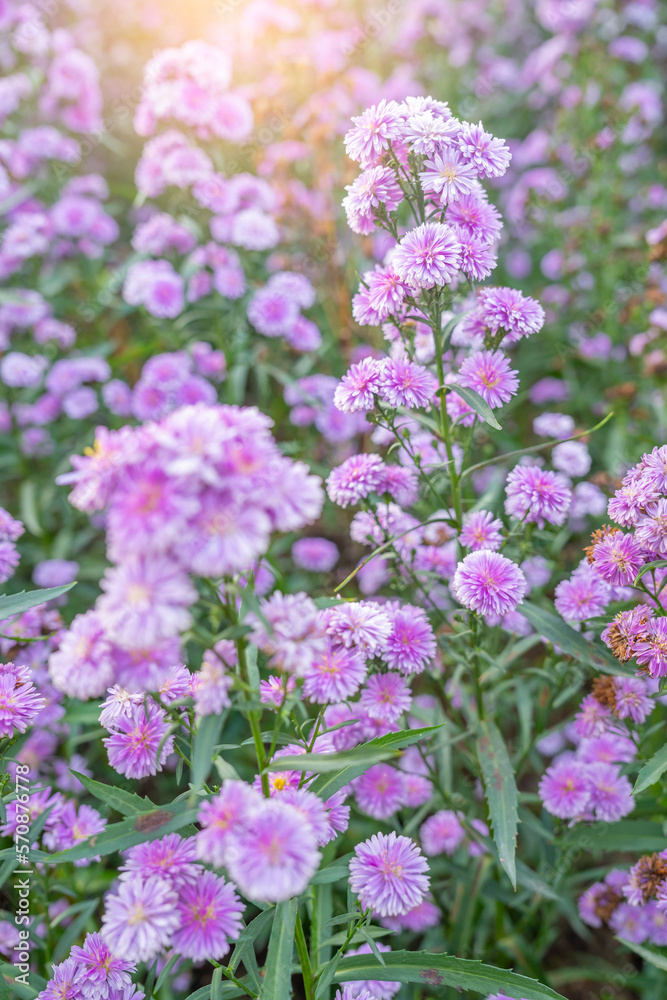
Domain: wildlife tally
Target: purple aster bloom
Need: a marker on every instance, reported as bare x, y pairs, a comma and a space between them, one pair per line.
318, 555
617, 558
488, 583
584, 595
426, 131
226, 813
610, 747
296, 285
553, 425
133, 750
535, 494
645, 878
9, 560
362, 625
564, 789
629, 504
632, 699
296, 636
10, 529
386, 697
593, 717
20, 701
388, 873
426, 914
427, 256
404, 383
472, 214
359, 386
654, 467
490, 156
172, 858
373, 988
477, 257
272, 312
651, 528
276, 854
64, 983
19, 370
145, 601
102, 973
629, 922
441, 833
274, 691
380, 791
139, 920
355, 479
374, 187
510, 310
209, 914
597, 901
448, 176
650, 647
334, 675
373, 132
656, 923
481, 530
411, 643
571, 457
490, 375
610, 792
338, 814
54, 572
72, 827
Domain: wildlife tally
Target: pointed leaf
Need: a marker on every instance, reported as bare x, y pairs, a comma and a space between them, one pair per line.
125, 803
442, 970
501, 793
651, 771
560, 634
16, 604
475, 402
278, 969
654, 957
206, 737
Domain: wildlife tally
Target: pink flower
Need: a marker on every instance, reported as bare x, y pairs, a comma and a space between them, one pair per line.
488, 583
490, 375
209, 917
429, 255
388, 873
404, 383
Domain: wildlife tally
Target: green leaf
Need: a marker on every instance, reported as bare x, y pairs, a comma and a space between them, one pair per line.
125, 803
501, 793
130, 831
657, 564
166, 973
637, 836
654, 957
72, 931
205, 739
9, 972
28, 507
249, 935
560, 634
651, 771
442, 970
16, 604
216, 985
358, 760
278, 969
333, 872
475, 401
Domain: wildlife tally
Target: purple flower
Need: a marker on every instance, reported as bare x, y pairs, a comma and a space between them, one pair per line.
593, 717
172, 858
374, 187
385, 697
359, 386
651, 528
477, 257
388, 874
20, 701
373, 132
318, 555
362, 625
584, 595
380, 791
535, 494
226, 813
275, 855
441, 833
490, 375
139, 920
490, 156
429, 255
572, 458
272, 312
54, 572
373, 989
510, 310
564, 789
629, 922
488, 583
473, 215
404, 383
617, 558
209, 914
481, 530
334, 675
133, 750
448, 176
355, 479
553, 425
610, 792
411, 643
295, 636
145, 601
102, 973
